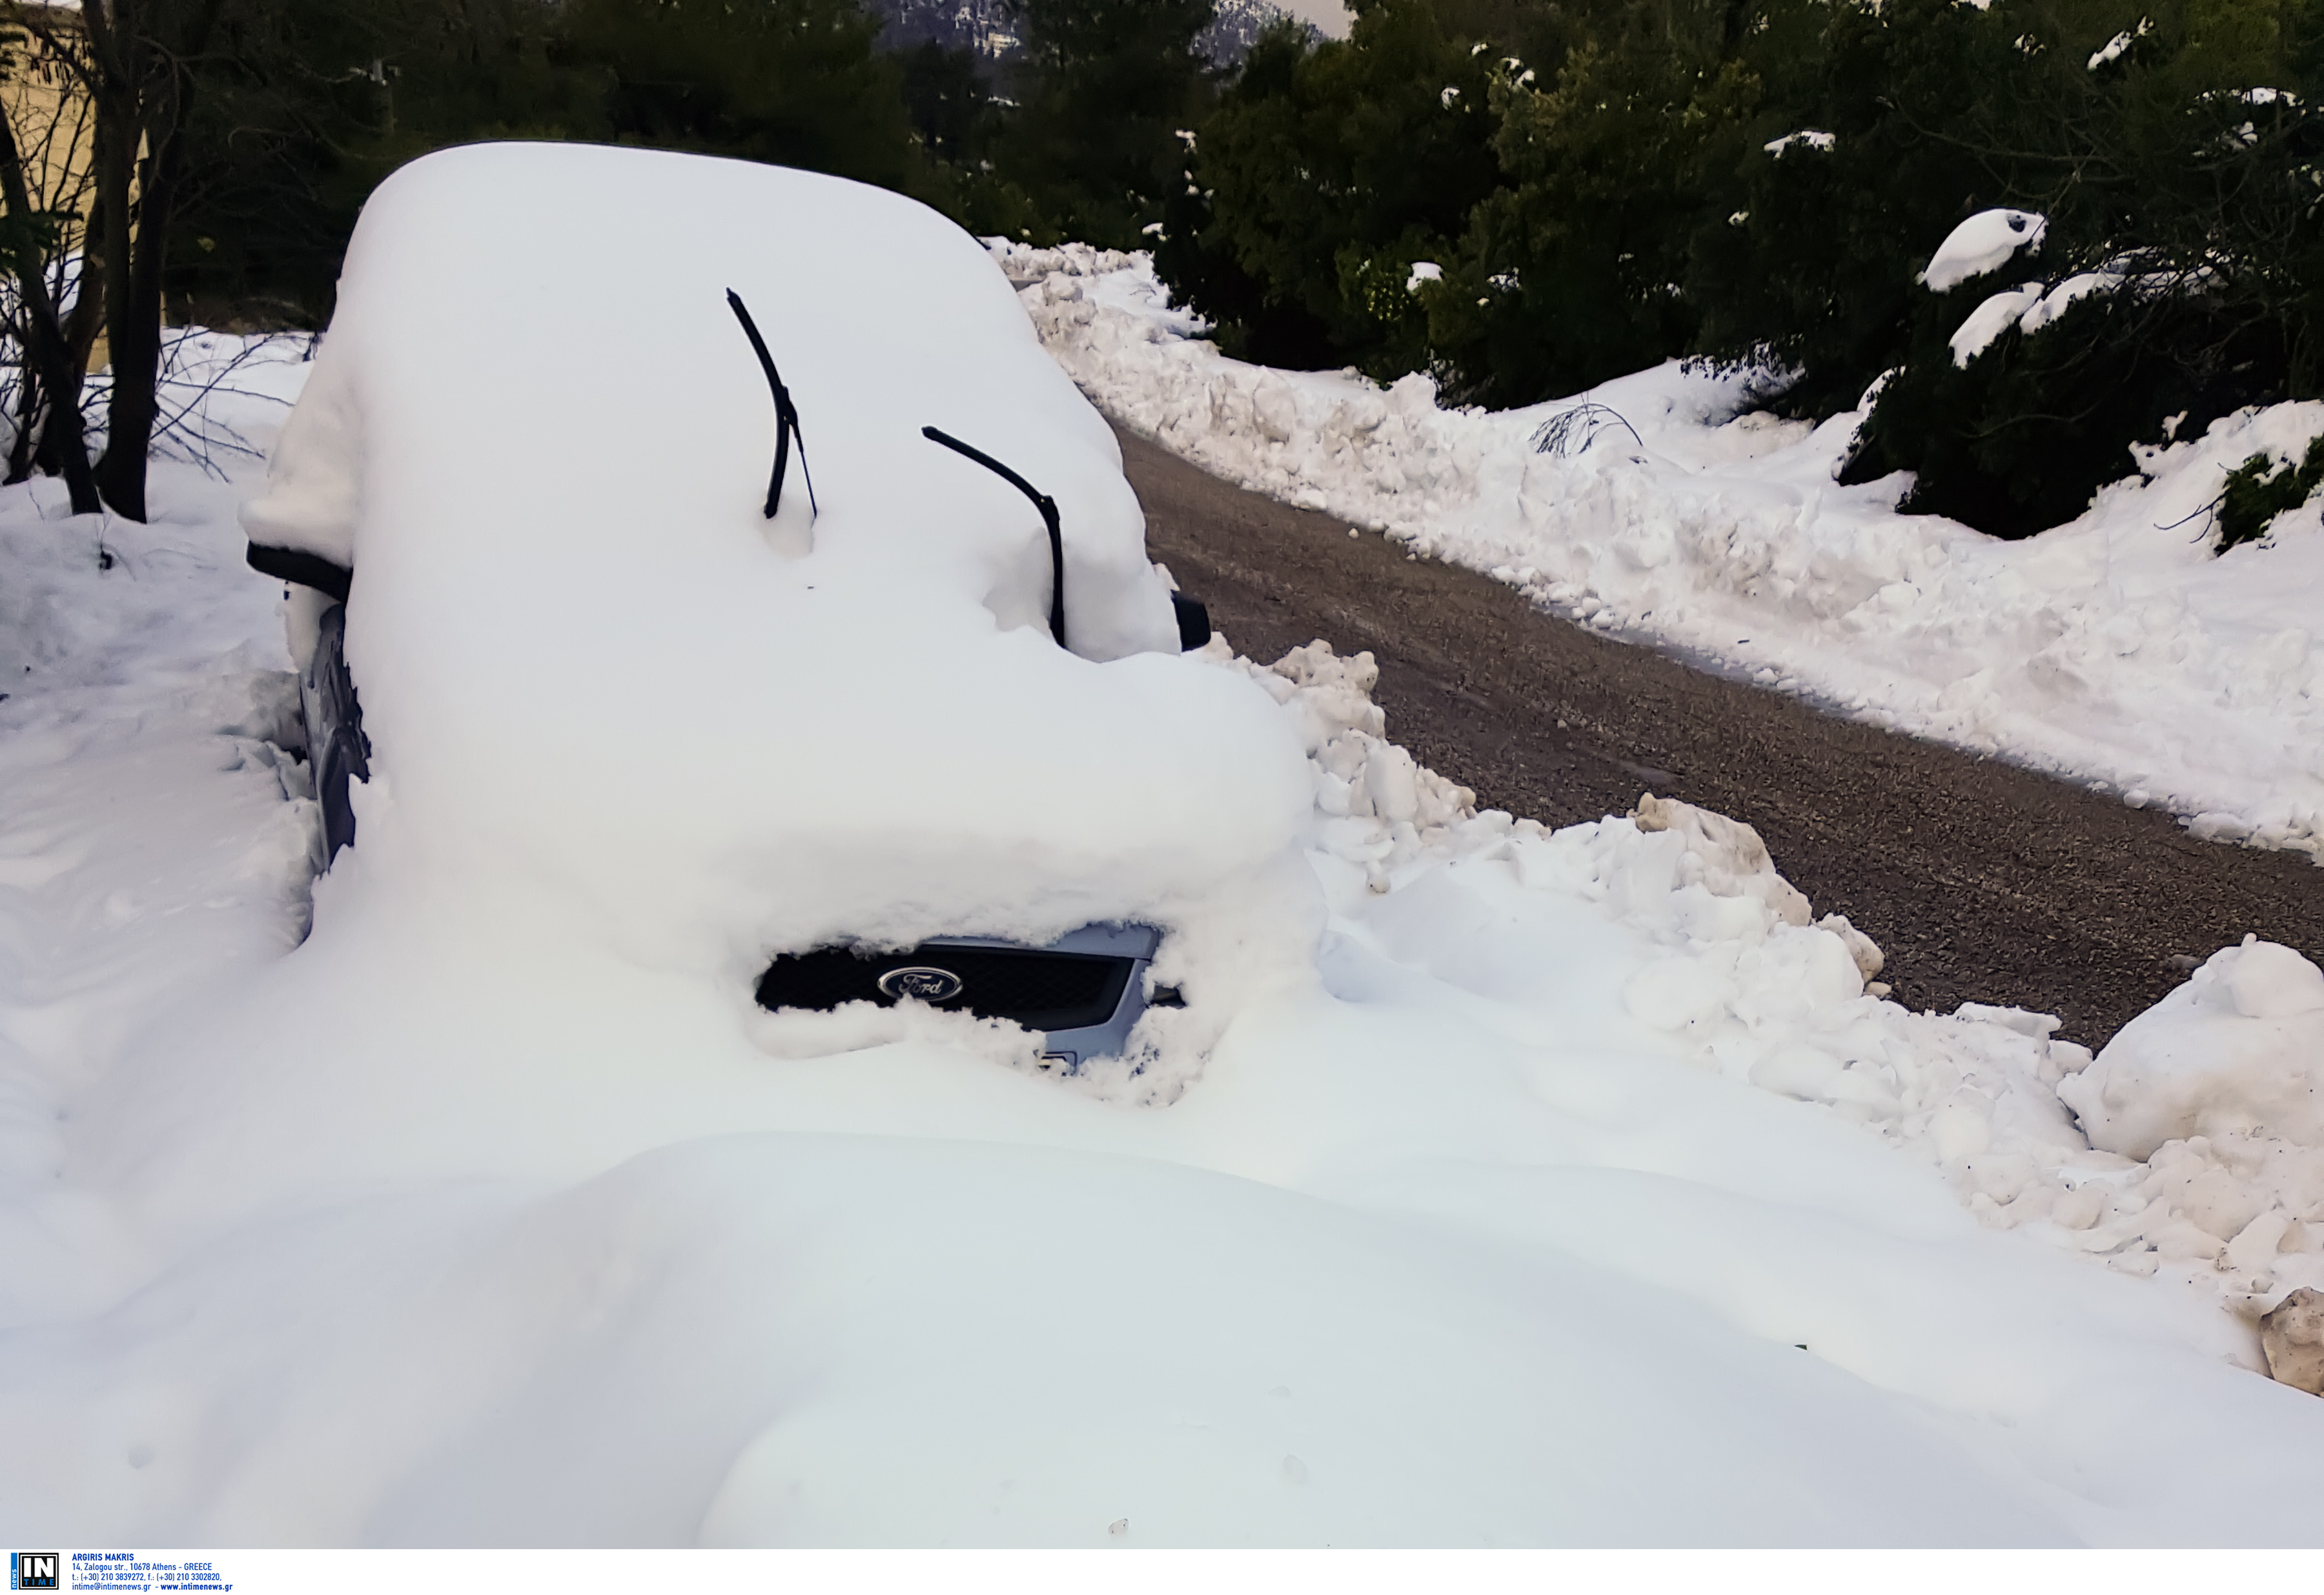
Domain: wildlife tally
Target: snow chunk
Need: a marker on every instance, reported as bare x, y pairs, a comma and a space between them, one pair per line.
1422, 272
1732, 860
1981, 244
2239, 1048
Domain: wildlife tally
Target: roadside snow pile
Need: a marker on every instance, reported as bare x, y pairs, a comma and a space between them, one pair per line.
2207, 1113
2221, 1183
2219, 1088
2116, 650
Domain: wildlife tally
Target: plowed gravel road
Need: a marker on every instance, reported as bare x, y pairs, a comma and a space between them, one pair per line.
1981, 882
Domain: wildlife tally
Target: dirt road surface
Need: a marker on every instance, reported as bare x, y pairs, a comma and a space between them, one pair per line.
1981, 882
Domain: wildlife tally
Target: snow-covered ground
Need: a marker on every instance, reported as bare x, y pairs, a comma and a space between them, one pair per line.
2117, 651
1497, 1185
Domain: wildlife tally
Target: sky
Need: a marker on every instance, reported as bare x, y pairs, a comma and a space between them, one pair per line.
1327, 15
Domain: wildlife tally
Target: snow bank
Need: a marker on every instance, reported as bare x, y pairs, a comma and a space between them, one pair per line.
2116, 650
2227, 1192
2193, 1145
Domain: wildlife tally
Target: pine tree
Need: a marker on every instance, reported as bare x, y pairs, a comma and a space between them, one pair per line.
1104, 89
792, 82
1326, 172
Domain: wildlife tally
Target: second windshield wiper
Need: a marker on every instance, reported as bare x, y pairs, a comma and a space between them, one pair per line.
1041, 502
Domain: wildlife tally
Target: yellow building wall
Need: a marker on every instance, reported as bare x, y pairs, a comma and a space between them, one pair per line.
51, 119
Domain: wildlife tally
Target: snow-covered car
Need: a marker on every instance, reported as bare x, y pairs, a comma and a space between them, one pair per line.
746, 513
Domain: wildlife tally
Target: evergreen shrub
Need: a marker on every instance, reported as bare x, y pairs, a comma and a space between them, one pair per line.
2022, 438
2261, 488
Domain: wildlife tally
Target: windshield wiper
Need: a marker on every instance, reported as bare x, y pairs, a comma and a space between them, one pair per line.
1041, 502
786, 417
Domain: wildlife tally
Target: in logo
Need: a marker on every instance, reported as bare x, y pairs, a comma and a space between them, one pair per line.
33, 1570
929, 985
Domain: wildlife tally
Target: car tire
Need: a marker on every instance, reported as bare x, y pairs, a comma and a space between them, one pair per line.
337, 750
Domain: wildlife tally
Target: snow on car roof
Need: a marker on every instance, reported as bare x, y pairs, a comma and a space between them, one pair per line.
539, 434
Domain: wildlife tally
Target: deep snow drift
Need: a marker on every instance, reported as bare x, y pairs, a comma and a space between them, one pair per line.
2116, 650
1502, 1186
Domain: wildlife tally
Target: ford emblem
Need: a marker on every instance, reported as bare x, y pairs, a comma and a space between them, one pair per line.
929, 985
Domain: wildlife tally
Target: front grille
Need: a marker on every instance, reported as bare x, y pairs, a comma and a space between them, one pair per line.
1039, 991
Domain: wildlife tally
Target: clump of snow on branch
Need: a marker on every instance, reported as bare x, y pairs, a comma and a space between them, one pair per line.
2116, 47
1806, 139
1980, 244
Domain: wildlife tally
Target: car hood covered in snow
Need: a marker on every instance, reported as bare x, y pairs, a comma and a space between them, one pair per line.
540, 436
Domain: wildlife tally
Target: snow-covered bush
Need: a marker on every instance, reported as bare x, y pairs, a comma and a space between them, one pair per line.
2017, 403
2262, 488
1769, 192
